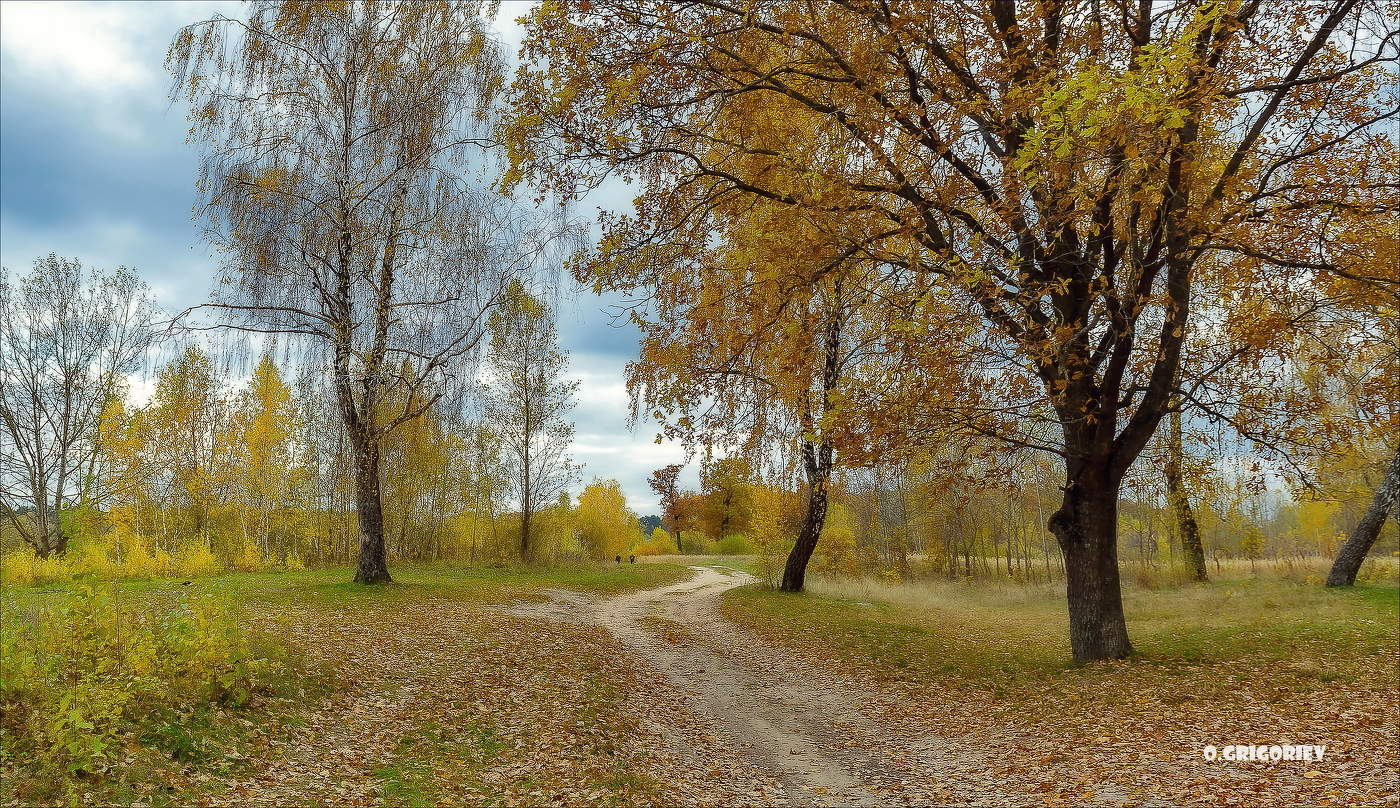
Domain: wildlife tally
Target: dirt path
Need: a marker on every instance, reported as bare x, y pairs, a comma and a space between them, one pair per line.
801, 726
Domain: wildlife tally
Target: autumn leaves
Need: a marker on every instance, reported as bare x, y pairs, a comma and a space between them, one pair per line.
1010, 220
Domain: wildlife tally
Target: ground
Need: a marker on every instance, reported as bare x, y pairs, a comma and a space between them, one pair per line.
677, 684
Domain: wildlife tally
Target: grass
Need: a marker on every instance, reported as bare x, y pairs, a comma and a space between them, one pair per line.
412, 583
1001, 633
435, 765
182, 747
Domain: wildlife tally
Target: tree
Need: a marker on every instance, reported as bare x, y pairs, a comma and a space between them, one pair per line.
1179, 498
1070, 170
1367, 353
188, 443
728, 488
485, 477
606, 528
527, 403
1358, 544
663, 482
333, 135
764, 333
265, 427
69, 336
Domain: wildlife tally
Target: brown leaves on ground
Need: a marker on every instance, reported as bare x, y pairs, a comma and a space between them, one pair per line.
1132, 732
454, 704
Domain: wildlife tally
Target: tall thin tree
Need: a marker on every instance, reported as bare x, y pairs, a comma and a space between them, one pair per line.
336, 137
528, 399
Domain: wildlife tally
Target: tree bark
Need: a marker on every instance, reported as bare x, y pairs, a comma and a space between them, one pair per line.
526, 496
373, 567
795, 571
1353, 552
1187, 527
816, 460
525, 535
1086, 526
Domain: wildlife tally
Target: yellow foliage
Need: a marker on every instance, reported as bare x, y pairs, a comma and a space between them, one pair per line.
660, 543
196, 559
770, 531
247, 558
605, 527
836, 550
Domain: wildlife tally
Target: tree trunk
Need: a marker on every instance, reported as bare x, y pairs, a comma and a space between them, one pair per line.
818, 466
1086, 526
816, 460
1187, 527
373, 567
526, 494
795, 571
1359, 543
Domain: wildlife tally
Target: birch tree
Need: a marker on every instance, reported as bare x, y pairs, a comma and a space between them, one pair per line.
69, 336
335, 177
527, 401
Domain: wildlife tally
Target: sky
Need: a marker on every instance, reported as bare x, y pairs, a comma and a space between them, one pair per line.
94, 166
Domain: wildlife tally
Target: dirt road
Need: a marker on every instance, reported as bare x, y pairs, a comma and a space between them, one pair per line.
802, 727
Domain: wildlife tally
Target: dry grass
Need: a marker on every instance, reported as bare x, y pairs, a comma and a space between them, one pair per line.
1255, 656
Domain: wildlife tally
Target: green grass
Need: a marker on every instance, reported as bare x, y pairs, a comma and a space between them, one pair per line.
412, 583
433, 765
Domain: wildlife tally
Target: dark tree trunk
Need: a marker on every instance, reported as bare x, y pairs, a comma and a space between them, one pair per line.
817, 462
1187, 527
1086, 526
1363, 537
795, 571
373, 566
525, 535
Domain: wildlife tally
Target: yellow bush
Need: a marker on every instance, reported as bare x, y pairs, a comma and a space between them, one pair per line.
660, 543
247, 558
197, 559
17, 568
87, 677
91, 558
734, 544
140, 561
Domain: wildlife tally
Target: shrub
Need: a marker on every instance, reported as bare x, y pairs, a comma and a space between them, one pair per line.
733, 544
660, 543
247, 558
83, 679
696, 543
22, 568
196, 559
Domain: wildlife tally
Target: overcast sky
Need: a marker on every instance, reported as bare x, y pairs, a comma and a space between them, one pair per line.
93, 165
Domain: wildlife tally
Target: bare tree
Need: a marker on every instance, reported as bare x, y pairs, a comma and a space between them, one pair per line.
68, 338
527, 400
335, 177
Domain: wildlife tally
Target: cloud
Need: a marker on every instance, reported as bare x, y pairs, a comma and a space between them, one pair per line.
107, 58
86, 45
96, 167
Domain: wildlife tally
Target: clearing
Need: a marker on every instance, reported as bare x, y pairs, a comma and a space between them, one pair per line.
662, 683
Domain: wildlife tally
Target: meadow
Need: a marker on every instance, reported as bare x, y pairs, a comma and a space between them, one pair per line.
298, 687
